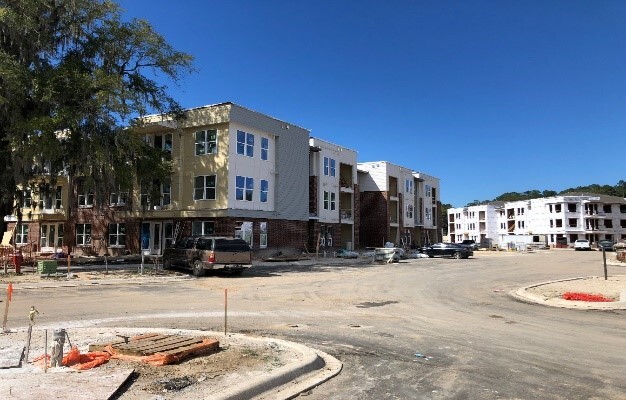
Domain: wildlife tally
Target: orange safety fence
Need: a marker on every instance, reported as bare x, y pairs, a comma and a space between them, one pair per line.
76, 360
93, 359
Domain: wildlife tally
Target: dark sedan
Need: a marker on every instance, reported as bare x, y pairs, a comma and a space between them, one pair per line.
447, 250
607, 245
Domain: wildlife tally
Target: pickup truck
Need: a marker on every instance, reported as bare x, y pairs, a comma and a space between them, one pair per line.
202, 253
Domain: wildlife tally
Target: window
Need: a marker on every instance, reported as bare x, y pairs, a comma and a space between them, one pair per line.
58, 199
118, 199
559, 223
572, 222
330, 167
166, 193
427, 190
163, 142
608, 223
21, 234
117, 235
622, 223
244, 189
264, 190
262, 235
206, 142
409, 186
245, 144
409, 211
557, 208
27, 200
83, 234
622, 208
329, 200
265, 148
606, 208
204, 187
85, 200
551, 223
202, 228
428, 214
571, 207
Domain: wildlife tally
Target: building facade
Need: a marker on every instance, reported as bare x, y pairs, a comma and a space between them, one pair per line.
236, 172
559, 220
397, 205
333, 196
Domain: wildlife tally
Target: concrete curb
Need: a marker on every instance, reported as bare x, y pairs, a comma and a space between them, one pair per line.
289, 381
524, 296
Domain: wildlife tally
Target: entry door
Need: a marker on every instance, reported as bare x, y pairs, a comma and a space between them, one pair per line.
155, 245
152, 237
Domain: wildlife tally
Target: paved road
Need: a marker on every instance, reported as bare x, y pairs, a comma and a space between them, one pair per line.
476, 341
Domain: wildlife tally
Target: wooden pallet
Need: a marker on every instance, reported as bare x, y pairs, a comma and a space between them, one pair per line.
149, 344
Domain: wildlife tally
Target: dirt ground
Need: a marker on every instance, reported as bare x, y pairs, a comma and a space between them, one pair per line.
610, 288
236, 360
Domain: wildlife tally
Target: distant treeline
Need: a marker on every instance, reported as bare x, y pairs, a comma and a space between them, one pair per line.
618, 190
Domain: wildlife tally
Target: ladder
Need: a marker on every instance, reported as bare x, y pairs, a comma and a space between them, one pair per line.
178, 230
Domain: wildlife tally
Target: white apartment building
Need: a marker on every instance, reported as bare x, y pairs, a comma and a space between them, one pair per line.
559, 220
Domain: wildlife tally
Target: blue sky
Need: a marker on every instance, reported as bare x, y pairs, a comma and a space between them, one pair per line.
489, 96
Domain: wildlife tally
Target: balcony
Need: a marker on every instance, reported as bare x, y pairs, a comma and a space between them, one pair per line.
345, 215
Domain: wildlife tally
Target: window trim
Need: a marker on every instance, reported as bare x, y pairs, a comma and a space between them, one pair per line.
86, 237
206, 142
120, 233
246, 191
204, 187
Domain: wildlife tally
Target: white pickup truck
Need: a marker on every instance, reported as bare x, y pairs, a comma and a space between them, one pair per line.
582, 244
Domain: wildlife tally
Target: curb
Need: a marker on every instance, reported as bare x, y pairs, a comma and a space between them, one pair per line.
522, 295
287, 382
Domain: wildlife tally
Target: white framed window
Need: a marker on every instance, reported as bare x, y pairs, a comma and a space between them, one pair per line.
329, 166
202, 228
409, 211
117, 235
427, 190
265, 148
166, 193
264, 190
409, 186
428, 213
329, 200
206, 142
85, 200
204, 187
263, 235
244, 188
164, 142
245, 144
83, 234
21, 234
58, 198
27, 201
118, 199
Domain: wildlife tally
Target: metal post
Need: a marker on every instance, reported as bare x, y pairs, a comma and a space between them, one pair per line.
45, 353
604, 259
225, 310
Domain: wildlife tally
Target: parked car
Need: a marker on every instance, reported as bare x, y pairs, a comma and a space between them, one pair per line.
202, 253
471, 244
582, 244
606, 244
343, 253
447, 250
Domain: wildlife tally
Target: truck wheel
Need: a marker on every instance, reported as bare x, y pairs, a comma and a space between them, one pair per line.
457, 255
197, 269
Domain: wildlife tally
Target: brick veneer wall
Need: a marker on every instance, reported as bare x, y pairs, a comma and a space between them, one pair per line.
374, 219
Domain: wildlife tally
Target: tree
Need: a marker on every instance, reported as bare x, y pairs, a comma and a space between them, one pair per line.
75, 81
